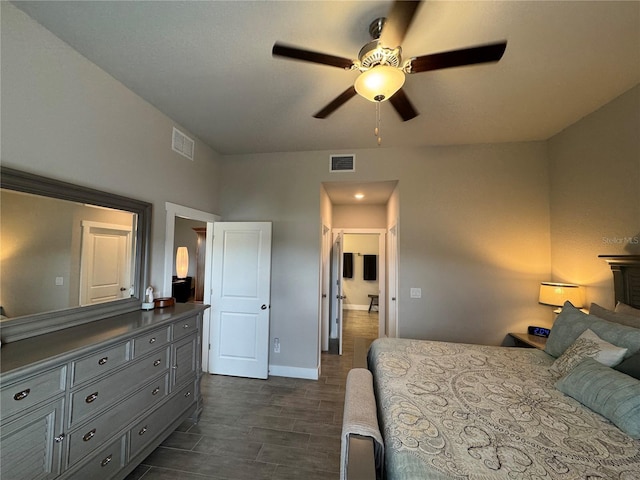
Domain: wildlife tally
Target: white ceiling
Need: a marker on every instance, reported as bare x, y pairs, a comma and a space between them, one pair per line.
208, 65
374, 193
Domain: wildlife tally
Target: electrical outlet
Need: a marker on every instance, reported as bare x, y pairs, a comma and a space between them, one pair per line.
276, 345
59, 281
416, 293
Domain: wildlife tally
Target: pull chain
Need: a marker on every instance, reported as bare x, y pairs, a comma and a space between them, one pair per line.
377, 129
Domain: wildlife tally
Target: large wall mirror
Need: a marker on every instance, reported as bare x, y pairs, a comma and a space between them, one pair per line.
69, 254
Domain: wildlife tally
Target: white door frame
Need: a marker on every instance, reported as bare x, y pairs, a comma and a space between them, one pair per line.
392, 241
173, 211
336, 296
382, 296
325, 288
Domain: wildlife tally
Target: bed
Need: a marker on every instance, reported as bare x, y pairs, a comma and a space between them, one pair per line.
453, 411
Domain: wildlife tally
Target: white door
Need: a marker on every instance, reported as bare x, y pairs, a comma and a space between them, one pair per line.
336, 288
326, 288
241, 283
105, 262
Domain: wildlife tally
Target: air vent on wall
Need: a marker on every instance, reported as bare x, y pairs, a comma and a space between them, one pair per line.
182, 144
342, 163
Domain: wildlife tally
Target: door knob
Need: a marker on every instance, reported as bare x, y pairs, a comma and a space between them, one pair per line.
263, 307
122, 289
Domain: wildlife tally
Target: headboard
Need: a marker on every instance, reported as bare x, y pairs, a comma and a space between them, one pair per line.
626, 277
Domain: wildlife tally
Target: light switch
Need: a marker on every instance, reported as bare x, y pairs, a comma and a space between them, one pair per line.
416, 292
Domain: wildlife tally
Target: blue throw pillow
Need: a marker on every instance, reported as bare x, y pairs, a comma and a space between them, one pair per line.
612, 394
571, 323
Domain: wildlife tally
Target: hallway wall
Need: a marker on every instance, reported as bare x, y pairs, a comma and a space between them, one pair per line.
356, 289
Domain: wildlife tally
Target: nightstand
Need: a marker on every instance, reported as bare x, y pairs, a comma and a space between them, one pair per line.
526, 340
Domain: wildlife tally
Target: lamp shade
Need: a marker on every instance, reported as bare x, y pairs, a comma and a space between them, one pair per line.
379, 83
182, 262
555, 294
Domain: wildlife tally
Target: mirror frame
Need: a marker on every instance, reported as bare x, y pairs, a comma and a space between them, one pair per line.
13, 329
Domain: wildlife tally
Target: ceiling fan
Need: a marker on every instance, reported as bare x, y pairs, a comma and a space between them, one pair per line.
380, 61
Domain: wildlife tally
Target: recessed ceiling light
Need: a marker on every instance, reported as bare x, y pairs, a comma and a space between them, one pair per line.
359, 196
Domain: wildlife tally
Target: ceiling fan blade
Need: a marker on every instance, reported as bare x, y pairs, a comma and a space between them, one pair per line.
458, 58
398, 22
403, 106
280, 50
337, 103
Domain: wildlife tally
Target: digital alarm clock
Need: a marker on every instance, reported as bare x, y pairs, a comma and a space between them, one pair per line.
539, 331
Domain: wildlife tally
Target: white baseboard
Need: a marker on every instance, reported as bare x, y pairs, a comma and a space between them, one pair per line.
350, 306
294, 372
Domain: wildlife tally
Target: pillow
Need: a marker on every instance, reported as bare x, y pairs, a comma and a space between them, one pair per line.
615, 317
588, 345
612, 394
627, 309
571, 322
630, 366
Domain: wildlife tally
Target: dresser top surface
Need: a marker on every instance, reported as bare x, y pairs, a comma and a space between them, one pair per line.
56, 346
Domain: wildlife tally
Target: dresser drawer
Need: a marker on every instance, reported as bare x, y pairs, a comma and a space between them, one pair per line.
99, 363
105, 464
92, 398
156, 422
146, 343
31, 391
89, 437
185, 327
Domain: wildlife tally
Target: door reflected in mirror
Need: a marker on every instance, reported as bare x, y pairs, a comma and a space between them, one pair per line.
56, 254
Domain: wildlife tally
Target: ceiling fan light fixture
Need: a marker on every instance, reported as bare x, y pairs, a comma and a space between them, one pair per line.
379, 83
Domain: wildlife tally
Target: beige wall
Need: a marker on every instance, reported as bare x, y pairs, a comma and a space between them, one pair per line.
473, 232
65, 118
356, 289
359, 216
595, 195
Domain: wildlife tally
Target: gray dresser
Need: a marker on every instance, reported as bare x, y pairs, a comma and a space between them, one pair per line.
92, 401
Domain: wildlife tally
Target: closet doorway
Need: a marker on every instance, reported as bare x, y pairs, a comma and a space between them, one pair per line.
174, 213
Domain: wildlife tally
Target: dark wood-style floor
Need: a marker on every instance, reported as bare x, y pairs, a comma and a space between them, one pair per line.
275, 429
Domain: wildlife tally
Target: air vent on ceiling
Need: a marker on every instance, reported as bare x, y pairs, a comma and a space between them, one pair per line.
342, 163
182, 144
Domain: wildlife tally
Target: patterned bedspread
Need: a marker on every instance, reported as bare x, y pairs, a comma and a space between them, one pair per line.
450, 410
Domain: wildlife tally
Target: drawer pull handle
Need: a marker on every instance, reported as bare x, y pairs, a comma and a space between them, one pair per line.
59, 438
152, 340
157, 362
155, 391
103, 360
143, 430
91, 397
22, 395
106, 461
187, 395
186, 325
89, 435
